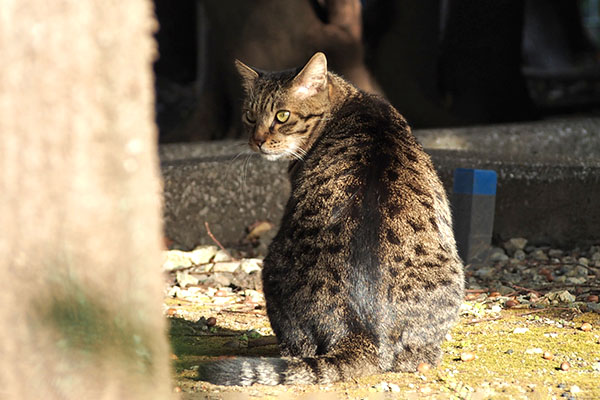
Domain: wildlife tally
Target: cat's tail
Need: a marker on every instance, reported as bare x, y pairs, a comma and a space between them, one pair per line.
342, 364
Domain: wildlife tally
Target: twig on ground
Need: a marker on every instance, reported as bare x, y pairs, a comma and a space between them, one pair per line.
217, 242
524, 289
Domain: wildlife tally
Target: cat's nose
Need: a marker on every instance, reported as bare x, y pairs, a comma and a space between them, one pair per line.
259, 141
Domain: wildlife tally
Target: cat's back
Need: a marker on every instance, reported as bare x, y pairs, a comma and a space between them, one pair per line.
370, 182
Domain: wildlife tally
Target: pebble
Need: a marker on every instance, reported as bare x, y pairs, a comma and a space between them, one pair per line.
556, 253
221, 256
211, 321
548, 356
514, 244
562, 296
467, 356
586, 327
534, 350
230, 266
565, 366
521, 330
498, 255
511, 303
485, 272
539, 255
203, 254
519, 255
596, 366
423, 368
184, 279
574, 389
251, 265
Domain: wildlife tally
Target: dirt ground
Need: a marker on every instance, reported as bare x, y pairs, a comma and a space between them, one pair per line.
497, 350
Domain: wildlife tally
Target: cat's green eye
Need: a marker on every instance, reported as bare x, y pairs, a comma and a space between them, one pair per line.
250, 117
282, 116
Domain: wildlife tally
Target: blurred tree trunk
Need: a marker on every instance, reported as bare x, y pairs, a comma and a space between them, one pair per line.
80, 230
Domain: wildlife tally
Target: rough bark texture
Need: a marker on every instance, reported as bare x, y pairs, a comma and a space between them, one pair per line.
80, 282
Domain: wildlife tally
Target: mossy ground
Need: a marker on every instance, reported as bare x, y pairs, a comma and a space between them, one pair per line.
507, 364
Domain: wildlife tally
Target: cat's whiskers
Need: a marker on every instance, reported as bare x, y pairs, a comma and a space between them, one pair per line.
296, 152
245, 169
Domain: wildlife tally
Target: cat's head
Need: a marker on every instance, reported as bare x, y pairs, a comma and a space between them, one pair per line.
282, 111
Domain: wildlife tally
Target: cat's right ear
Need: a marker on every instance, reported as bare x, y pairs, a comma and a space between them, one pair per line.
248, 74
313, 77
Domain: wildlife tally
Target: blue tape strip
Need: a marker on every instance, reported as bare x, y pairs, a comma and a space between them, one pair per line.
475, 181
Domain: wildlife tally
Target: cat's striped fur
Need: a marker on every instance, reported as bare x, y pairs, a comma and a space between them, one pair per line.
363, 276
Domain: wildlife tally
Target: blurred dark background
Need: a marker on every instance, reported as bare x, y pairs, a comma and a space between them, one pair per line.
442, 63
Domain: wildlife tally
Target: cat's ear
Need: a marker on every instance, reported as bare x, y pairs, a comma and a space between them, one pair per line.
248, 74
313, 77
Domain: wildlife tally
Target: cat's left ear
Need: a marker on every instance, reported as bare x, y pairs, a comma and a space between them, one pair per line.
248, 74
313, 77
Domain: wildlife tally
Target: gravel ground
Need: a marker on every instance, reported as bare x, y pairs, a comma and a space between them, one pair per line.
518, 275
528, 327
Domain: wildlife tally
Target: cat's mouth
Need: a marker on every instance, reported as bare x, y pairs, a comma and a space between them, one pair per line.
272, 156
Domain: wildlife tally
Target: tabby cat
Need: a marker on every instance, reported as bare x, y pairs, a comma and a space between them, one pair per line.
363, 276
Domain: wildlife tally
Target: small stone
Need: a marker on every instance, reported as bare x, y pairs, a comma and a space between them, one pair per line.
576, 280
509, 351
562, 296
568, 260
185, 279
394, 388
534, 350
592, 298
521, 330
565, 366
175, 291
211, 321
574, 389
230, 267
595, 307
511, 303
251, 265
171, 312
548, 356
515, 244
423, 368
504, 290
176, 259
498, 254
596, 366
578, 270
203, 254
596, 256
583, 261
467, 356
555, 253
484, 272
519, 255
221, 256
539, 255
471, 297
218, 280
586, 327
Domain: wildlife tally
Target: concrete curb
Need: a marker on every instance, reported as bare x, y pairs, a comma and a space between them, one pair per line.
543, 195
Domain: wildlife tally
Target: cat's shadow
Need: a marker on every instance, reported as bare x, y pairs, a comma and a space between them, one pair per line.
192, 342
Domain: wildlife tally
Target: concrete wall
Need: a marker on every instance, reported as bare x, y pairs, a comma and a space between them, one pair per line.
548, 181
